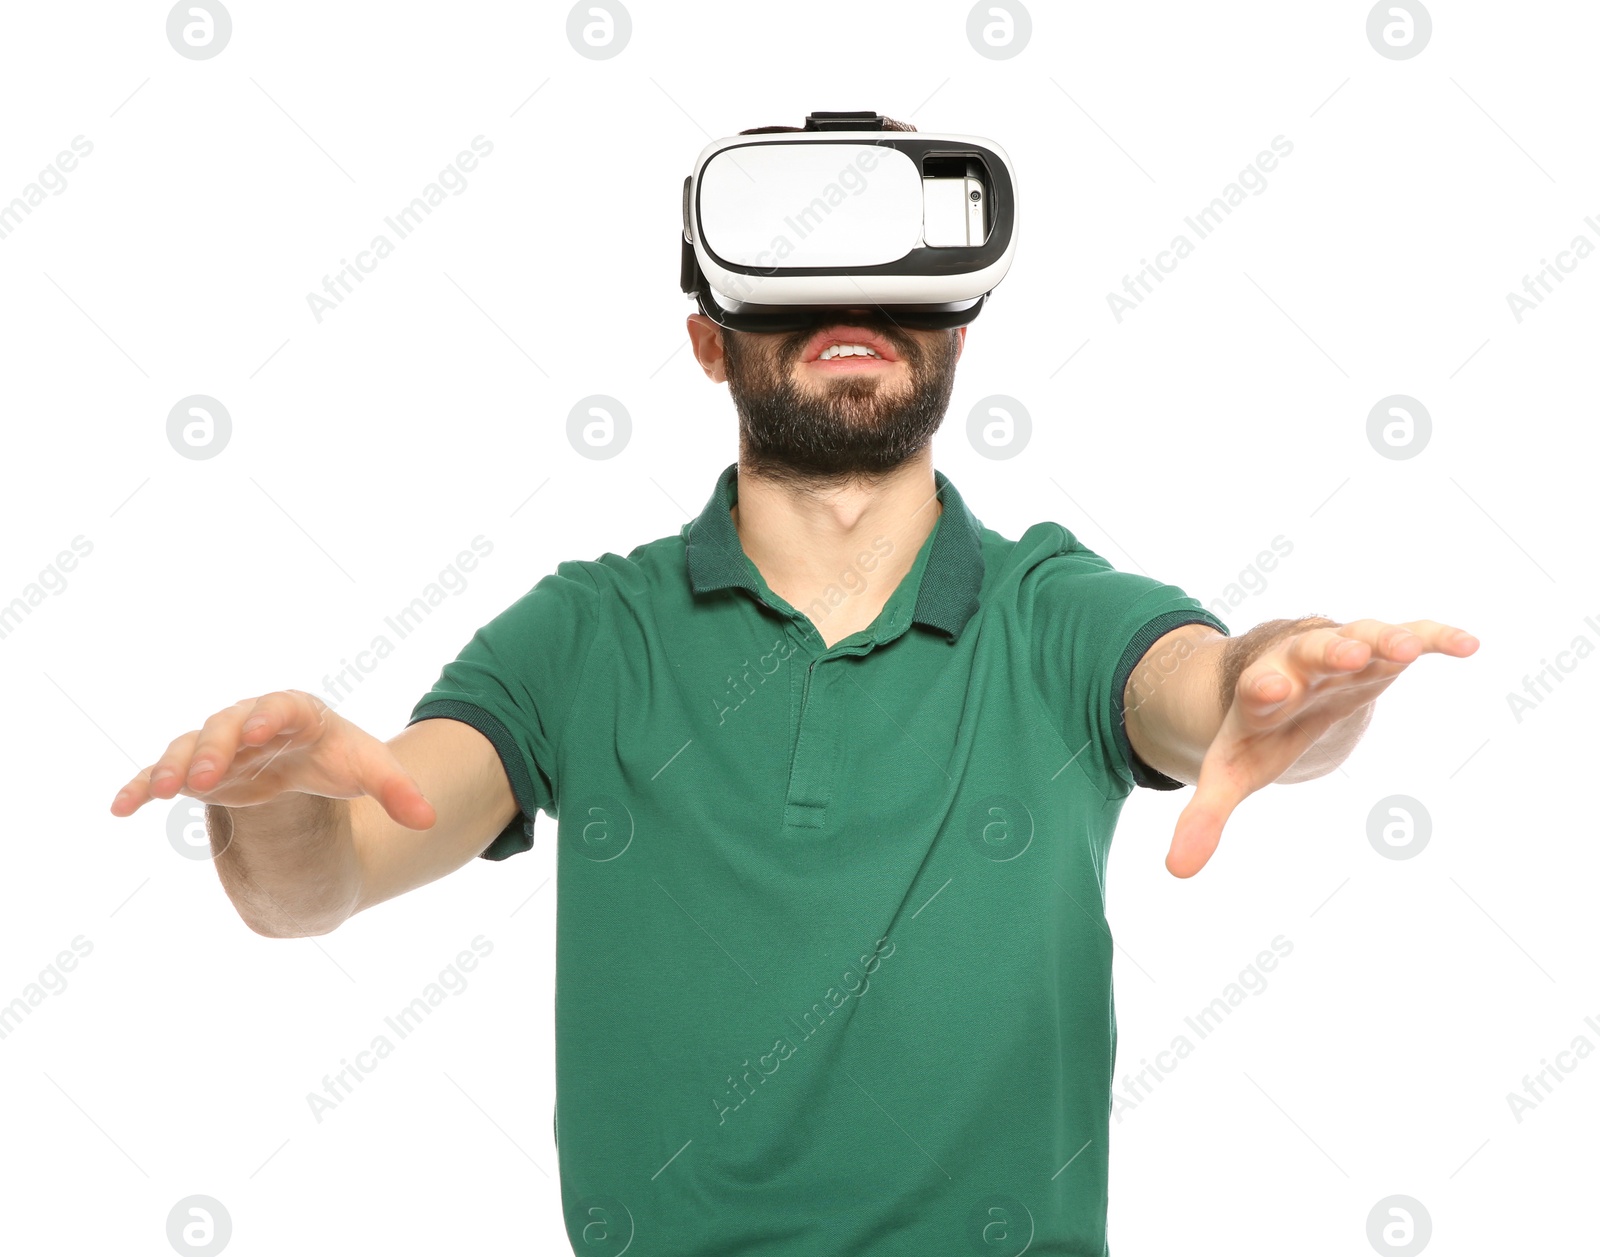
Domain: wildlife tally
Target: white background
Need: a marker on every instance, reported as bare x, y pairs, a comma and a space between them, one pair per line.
370, 447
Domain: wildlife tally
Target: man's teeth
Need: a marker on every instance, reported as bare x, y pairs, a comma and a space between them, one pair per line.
846, 351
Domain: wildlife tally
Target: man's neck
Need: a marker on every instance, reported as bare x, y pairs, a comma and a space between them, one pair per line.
837, 553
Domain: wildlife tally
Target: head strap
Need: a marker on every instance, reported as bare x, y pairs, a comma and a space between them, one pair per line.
844, 120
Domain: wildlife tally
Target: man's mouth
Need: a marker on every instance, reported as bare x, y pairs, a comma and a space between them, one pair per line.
843, 348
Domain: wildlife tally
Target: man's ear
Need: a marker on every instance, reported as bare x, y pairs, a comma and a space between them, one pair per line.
706, 339
962, 342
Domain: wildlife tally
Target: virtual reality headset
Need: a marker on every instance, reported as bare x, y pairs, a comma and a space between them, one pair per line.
784, 228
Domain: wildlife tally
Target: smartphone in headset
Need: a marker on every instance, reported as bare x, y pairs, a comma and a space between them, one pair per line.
954, 209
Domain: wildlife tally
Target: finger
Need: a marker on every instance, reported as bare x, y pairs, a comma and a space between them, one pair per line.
309, 711
216, 746
1387, 643
1199, 828
168, 772
1322, 651
262, 718
132, 796
1443, 639
382, 776
1268, 692
283, 713
1274, 688
1402, 643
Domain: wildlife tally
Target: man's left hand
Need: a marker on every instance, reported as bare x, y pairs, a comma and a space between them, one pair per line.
1283, 704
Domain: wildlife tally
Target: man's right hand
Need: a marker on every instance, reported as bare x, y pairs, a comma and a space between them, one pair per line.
294, 863
284, 742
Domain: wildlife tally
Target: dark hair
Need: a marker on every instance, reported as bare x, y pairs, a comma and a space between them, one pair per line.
889, 124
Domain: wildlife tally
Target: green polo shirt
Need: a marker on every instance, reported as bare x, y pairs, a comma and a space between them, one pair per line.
833, 973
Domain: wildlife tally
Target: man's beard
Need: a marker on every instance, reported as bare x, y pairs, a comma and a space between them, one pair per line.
846, 428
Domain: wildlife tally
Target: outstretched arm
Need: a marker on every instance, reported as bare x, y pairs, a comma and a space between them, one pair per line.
1285, 702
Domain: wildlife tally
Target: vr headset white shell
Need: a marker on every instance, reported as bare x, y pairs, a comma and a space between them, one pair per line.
781, 228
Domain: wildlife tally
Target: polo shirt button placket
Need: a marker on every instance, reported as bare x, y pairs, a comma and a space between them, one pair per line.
815, 743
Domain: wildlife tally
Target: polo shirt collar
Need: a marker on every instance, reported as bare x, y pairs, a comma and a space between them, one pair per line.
951, 581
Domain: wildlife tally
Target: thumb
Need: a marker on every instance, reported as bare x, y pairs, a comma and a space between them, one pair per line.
1200, 824
386, 780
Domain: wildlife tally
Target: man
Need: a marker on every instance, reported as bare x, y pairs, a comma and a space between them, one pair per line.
837, 769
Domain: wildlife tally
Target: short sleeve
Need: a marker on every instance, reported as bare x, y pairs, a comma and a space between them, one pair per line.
515, 682
1091, 626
